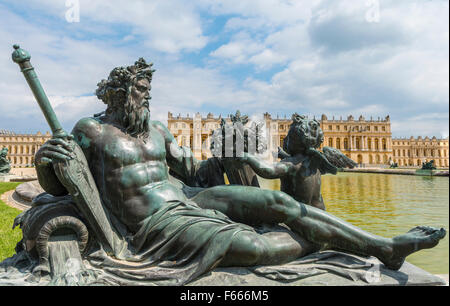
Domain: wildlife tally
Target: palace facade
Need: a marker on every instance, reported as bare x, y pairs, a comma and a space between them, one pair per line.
368, 142
22, 147
194, 132
415, 151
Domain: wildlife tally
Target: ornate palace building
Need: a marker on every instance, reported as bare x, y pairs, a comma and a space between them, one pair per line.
414, 151
22, 147
194, 132
368, 142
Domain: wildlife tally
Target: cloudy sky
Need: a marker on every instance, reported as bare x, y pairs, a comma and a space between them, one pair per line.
369, 57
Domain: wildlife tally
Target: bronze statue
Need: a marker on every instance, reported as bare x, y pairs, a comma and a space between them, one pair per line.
146, 228
302, 164
428, 165
5, 165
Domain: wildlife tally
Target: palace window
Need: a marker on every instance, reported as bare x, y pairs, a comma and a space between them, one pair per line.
330, 127
338, 143
330, 142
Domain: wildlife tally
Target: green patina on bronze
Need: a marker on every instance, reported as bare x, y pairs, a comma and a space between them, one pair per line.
112, 175
5, 165
301, 164
22, 58
428, 165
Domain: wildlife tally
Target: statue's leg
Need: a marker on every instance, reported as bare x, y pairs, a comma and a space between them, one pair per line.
249, 205
252, 205
331, 232
275, 248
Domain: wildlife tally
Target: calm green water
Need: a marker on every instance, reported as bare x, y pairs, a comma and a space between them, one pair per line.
389, 205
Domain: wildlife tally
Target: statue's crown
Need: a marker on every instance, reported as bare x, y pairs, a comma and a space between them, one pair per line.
142, 69
296, 118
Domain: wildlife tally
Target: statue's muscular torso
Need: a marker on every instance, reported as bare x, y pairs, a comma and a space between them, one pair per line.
131, 175
305, 189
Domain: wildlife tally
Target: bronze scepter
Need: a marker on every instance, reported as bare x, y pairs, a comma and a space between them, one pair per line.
82, 187
22, 58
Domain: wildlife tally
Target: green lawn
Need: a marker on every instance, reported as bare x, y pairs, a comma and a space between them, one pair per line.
8, 237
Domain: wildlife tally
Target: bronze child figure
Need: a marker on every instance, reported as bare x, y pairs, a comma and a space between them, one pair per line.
302, 164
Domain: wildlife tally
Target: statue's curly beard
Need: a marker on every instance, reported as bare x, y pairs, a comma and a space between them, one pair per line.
136, 118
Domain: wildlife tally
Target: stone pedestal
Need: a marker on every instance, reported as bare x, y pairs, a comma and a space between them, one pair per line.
7, 177
408, 275
326, 268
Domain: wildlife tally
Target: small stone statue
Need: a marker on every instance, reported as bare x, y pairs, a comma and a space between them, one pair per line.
393, 165
428, 165
5, 165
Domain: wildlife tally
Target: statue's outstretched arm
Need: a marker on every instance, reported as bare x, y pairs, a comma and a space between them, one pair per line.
266, 170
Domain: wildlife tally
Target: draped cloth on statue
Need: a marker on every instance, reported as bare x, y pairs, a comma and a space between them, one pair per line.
173, 246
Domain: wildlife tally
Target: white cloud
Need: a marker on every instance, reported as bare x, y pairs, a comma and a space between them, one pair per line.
164, 25
327, 57
239, 49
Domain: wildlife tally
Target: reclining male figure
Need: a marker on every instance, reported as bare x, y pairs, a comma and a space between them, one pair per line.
129, 157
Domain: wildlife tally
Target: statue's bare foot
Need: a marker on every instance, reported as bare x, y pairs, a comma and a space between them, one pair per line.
420, 237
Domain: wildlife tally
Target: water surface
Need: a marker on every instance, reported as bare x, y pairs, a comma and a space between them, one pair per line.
389, 205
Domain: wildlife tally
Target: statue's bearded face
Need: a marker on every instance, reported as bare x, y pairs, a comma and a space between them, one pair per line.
136, 110
127, 94
302, 136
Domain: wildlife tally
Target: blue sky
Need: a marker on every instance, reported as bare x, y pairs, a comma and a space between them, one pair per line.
369, 57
